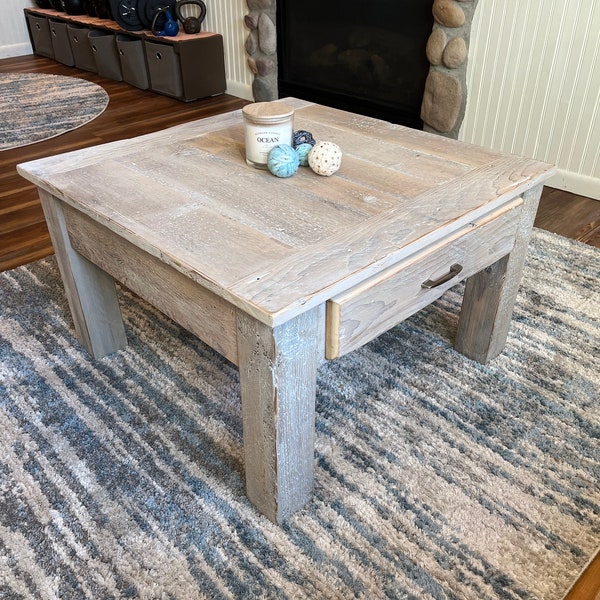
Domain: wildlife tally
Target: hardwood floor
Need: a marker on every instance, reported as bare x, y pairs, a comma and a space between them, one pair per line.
587, 587
575, 217
24, 237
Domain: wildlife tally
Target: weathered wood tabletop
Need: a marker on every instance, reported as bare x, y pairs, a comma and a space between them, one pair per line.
275, 247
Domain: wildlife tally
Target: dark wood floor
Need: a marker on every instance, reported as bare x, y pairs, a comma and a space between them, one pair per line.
131, 112
575, 217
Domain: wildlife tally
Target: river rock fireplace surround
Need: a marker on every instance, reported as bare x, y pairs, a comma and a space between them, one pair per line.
444, 95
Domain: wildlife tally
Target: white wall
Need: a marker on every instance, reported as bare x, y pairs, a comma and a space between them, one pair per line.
13, 31
227, 18
534, 85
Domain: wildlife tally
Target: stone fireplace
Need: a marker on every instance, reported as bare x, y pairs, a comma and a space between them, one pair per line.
443, 100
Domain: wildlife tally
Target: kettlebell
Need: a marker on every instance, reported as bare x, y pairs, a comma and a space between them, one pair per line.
190, 24
170, 28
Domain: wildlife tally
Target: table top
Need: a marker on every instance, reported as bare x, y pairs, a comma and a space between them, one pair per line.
277, 247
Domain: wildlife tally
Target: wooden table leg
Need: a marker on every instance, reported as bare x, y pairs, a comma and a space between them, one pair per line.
278, 371
90, 291
490, 295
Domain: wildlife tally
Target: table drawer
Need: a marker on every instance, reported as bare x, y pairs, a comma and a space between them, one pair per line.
365, 311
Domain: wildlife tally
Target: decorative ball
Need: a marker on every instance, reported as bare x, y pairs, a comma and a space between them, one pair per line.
325, 158
303, 151
302, 137
282, 161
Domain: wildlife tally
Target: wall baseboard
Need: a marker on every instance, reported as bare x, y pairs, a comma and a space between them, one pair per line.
575, 183
8, 51
240, 90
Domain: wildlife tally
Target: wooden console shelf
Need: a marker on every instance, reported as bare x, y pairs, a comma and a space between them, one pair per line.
186, 66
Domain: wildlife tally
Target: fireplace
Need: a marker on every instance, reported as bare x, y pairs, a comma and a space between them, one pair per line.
403, 62
365, 57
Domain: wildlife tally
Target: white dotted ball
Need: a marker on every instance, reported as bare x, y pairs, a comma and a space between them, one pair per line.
325, 158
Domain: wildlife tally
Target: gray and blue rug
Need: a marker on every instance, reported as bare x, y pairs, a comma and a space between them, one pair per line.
436, 477
38, 106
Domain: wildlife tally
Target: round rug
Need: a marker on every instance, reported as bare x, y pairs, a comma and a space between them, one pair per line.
37, 106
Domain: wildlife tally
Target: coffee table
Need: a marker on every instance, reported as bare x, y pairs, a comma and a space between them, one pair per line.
279, 274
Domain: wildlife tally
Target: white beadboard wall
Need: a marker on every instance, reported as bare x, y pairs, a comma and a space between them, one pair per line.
13, 31
227, 18
534, 85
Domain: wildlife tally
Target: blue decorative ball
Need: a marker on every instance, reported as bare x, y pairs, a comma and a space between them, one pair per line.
282, 161
302, 151
302, 137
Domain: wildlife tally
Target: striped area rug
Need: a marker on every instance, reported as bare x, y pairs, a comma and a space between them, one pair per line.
38, 106
436, 477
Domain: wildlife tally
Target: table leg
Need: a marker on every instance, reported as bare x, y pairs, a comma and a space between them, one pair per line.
490, 295
278, 371
90, 291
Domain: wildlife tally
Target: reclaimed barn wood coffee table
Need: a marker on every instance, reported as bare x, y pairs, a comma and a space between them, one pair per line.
278, 274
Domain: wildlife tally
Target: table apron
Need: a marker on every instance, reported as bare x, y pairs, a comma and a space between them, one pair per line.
200, 311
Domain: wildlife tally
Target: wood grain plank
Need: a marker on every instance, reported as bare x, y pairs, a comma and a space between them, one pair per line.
575, 217
587, 587
489, 296
278, 370
201, 312
90, 291
346, 193
430, 144
388, 153
362, 313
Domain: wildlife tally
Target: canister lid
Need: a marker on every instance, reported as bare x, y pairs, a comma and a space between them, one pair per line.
267, 112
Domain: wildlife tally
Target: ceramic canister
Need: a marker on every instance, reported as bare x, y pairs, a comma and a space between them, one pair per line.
266, 125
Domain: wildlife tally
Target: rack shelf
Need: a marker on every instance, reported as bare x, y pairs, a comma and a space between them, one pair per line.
186, 66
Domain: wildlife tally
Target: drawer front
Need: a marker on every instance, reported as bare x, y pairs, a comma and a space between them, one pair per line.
133, 61
104, 49
40, 36
367, 310
82, 52
164, 69
60, 43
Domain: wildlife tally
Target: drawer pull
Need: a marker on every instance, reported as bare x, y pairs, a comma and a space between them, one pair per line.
455, 269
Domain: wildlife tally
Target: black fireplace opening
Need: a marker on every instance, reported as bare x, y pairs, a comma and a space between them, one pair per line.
366, 57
